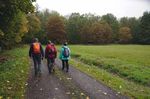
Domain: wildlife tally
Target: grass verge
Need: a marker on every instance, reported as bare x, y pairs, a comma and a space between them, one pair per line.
13, 73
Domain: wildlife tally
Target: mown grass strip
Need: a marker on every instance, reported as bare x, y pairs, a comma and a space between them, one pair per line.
13, 73
115, 82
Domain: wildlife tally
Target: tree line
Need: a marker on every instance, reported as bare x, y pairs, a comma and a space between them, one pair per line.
20, 22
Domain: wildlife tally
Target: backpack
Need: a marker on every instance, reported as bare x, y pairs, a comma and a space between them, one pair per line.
36, 48
51, 52
66, 52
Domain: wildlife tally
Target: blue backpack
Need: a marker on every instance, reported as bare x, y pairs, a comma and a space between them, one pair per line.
66, 52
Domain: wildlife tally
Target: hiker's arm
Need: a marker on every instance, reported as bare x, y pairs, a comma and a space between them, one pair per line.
55, 52
42, 52
46, 51
30, 50
60, 55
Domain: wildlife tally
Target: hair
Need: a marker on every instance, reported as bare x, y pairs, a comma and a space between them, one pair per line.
35, 40
49, 42
65, 44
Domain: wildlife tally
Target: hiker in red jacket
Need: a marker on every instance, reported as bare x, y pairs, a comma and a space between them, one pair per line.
36, 52
50, 55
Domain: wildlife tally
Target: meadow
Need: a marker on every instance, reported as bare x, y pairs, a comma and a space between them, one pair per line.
125, 68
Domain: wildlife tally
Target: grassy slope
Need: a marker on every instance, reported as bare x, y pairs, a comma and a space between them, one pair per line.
125, 61
13, 73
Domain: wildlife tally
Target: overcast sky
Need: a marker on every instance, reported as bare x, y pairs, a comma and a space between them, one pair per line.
119, 8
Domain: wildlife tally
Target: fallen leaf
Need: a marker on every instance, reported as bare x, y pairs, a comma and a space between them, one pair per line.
120, 86
56, 88
67, 93
69, 78
22, 71
7, 81
87, 97
104, 93
41, 89
1, 97
82, 94
26, 84
9, 88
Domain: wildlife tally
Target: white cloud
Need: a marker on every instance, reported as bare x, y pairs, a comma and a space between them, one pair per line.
119, 8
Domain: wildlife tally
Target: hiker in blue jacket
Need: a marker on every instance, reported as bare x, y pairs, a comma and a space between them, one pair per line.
65, 56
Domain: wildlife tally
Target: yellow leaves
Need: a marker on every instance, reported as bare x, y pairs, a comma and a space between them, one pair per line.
1, 97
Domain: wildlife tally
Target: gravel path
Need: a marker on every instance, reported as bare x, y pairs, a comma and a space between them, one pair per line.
51, 87
45, 87
94, 89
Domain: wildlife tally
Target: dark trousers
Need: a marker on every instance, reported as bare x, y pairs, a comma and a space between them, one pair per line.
50, 64
65, 64
37, 63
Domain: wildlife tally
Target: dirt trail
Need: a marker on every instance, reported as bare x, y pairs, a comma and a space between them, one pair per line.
51, 87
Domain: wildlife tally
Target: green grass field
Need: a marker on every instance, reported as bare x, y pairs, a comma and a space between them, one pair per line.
13, 73
125, 68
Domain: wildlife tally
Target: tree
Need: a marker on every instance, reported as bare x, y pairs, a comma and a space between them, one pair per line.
124, 22
21, 27
56, 29
125, 35
101, 33
144, 34
134, 25
112, 21
12, 17
73, 27
33, 28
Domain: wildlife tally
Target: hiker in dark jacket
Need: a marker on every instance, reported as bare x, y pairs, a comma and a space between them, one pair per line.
36, 52
50, 55
65, 56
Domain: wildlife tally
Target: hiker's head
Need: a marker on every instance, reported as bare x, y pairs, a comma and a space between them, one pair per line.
36, 40
52, 44
49, 42
65, 44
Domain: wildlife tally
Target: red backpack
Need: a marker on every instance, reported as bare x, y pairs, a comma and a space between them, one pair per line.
51, 52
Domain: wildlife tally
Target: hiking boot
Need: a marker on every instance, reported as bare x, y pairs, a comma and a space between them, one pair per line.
39, 75
67, 71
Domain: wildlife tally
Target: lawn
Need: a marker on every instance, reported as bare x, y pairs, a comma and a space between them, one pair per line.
125, 68
14, 69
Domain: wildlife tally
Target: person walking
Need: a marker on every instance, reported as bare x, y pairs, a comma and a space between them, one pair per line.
36, 53
50, 55
65, 56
